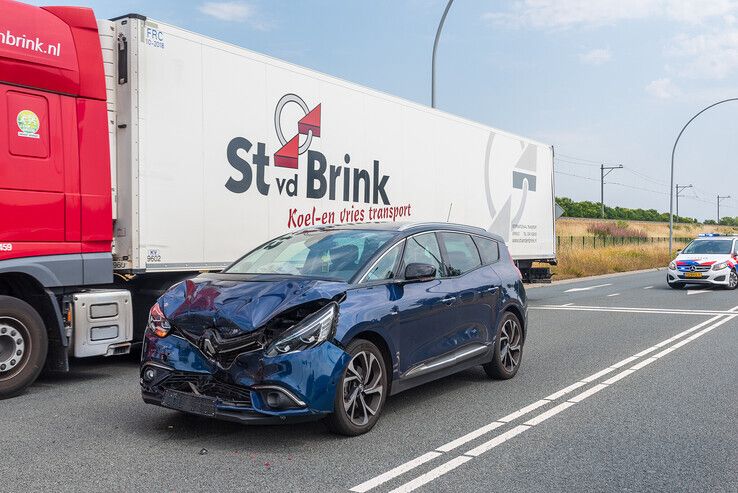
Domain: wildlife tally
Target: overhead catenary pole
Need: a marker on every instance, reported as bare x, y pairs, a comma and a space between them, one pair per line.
435, 47
602, 184
671, 185
719, 198
679, 190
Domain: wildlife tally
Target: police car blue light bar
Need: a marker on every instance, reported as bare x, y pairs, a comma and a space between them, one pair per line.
708, 235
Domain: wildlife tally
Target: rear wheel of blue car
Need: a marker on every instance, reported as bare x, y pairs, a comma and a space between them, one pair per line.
508, 352
361, 394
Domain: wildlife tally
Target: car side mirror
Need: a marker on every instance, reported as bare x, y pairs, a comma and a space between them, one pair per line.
419, 272
679, 251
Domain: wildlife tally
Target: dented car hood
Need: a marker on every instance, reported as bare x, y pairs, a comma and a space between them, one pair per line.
238, 304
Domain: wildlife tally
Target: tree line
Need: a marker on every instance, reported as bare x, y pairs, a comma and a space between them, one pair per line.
589, 209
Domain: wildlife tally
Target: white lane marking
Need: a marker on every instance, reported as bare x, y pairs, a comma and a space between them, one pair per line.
498, 440
382, 478
648, 287
587, 393
643, 363
619, 376
617, 309
624, 362
697, 291
613, 294
524, 410
475, 452
597, 375
567, 304
576, 290
470, 436
432, 474
393, 473
547, 414
565, 390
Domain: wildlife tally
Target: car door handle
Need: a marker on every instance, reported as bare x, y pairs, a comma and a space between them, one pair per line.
493, 289
449, 299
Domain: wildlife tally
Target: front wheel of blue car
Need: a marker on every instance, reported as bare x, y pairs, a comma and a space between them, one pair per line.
508, 352
361, 394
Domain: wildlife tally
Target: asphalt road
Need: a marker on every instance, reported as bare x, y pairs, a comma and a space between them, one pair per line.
626, 385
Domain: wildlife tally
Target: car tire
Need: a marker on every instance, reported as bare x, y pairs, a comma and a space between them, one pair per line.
362, 391
19, 321
508, 352
732, 280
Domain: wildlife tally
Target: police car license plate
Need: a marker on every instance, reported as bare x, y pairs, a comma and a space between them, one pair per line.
693, 275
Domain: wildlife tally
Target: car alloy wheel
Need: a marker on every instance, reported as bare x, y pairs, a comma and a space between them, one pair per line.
733, 280
362, 388
508, 350
361, 392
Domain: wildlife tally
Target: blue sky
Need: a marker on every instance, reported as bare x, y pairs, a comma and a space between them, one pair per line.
603, 80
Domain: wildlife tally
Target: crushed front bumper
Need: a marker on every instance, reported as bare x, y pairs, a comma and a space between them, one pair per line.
291, 387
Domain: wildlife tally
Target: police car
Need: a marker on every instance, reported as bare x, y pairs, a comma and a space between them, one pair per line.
710, 259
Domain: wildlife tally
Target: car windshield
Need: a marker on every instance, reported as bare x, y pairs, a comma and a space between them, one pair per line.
333, 254
709, 247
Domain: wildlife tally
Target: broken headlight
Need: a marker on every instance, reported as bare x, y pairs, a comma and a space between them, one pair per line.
316, 328
158, 323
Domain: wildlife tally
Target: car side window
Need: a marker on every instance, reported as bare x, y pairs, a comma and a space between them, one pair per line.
423, 249
385, 268
461, 252
488, 249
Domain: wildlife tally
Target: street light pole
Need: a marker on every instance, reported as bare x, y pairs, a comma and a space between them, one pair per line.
602, 184
719, 198
435, 47
678, 191
671, 186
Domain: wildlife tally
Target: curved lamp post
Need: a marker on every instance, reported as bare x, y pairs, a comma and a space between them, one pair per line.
671, 191
435, 47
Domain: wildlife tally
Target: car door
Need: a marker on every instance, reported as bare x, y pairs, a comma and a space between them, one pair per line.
475, 287
421, 307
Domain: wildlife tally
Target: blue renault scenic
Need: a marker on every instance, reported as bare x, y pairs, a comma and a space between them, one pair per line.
328, 322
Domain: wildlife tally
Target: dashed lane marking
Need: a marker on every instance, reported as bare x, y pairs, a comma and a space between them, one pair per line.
706, 326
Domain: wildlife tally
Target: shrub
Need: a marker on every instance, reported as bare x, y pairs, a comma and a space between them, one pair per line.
605, 230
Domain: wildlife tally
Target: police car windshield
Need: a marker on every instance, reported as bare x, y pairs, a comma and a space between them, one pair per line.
708, 247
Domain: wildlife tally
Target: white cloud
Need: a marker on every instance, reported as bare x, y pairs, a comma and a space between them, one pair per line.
712, 55
234, 11
663, 88
562, 14
597, 56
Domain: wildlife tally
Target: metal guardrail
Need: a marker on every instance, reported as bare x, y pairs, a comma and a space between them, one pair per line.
604, 241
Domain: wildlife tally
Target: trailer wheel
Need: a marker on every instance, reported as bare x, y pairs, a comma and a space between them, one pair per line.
23, 345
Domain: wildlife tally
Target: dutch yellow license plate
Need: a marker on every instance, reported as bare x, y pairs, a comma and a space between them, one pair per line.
693, 275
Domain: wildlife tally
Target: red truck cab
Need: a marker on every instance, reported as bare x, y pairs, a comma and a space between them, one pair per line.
55, 188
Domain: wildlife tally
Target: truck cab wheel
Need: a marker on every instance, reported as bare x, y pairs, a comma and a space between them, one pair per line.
23, 345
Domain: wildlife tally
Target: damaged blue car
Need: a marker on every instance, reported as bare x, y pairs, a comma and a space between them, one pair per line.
326, 323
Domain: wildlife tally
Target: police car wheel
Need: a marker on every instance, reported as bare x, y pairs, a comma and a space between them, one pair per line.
732, 280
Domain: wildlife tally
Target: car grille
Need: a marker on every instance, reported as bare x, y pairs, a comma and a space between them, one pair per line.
697, 268
208, 386
227, 350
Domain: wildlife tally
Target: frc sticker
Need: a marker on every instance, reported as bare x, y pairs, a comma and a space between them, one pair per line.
28, 124
6, 247
154, 37
153, 256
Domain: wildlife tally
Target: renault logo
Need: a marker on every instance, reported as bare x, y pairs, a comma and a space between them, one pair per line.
207, 346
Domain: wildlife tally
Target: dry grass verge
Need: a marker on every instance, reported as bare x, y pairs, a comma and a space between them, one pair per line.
581, 262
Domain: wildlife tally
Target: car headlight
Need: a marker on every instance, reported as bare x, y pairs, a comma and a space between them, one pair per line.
316, 328
158, 323
720, 266
672, 265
